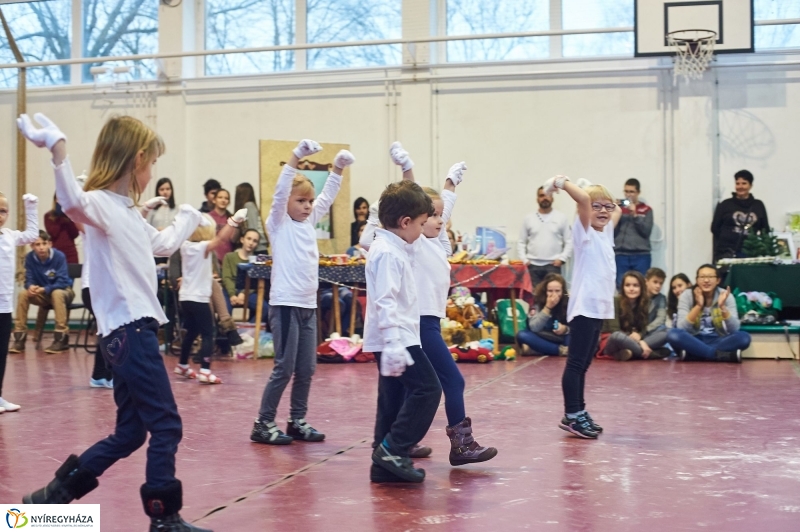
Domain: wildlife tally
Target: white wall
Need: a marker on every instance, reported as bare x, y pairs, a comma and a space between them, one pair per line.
513, 133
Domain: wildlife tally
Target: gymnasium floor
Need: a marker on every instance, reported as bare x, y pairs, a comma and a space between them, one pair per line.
688, 446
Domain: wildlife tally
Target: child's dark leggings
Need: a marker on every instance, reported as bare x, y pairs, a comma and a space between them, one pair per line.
5, 336
145, 404
199, 321
430, 332
584, 333
100, 370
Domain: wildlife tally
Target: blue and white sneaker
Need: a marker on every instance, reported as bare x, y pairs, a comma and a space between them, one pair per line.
101, 383
399, 466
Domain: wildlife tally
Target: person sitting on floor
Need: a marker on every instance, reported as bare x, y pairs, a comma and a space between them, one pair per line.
47, 284
678, 283
631, 332
708, 323
657, 318
547, 332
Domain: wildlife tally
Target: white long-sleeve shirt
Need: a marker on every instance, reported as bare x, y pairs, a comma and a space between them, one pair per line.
545, 238
123, 274
295, 256
197, 275
9, 240
392, 307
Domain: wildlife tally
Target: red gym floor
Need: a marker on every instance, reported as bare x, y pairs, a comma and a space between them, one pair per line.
688, 446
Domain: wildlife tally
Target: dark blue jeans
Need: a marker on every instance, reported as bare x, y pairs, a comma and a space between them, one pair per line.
345, 304
541, 345
638, 263
403, 421
430, 332
584, 334
145, 404
706, 346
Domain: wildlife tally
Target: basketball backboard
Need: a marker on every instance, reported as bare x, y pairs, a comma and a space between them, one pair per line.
732, 20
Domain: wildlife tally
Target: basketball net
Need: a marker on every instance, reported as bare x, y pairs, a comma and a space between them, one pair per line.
694, 50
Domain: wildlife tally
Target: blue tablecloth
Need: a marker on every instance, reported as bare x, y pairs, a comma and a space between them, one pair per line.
349, 273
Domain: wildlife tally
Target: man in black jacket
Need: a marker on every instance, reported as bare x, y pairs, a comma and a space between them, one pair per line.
736, 217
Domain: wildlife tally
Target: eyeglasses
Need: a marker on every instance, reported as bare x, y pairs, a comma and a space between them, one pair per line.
706, 276
609, 207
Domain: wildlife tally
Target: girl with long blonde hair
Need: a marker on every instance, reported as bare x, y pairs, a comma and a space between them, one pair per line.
127, 310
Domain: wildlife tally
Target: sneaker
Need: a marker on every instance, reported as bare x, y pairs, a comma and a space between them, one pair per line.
19, 343
59, 345
563, 350
578, 426
173, 523
419, 451
623, 355
269, 433
101, 383
592, 425
682, 355
299, 429
730, 356
378, 475
208, 378
399, 466
8, 406
185, 372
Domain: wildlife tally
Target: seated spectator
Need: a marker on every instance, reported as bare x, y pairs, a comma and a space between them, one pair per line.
631, 333
360, 213
230, 271
547, 332
451, 236
63, 232
356, 250
47, 283
677, 285
345, 307
654, 278
220, 215
708, 323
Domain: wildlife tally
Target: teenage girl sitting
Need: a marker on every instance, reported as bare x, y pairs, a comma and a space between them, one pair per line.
547, 332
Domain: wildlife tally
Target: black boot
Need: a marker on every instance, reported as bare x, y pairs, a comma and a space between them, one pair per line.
71, 482
163, 505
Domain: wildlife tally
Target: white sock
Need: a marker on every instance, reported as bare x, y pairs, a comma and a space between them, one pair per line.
205, 371
183, 366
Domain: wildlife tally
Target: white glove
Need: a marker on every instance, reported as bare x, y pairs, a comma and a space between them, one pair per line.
81, 179
400, 156
583, 182
394, 359
30, 200
373, 213
47, 135
306, 147
152, 203
456, 172
238, 217
554, 184
343, 159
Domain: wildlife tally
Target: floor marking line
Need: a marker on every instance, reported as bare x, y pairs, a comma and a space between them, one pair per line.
287, 477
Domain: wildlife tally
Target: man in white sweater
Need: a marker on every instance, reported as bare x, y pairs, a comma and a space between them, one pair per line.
545, 240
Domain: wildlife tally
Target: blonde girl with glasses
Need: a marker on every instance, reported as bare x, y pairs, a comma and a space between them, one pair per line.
591, 295
127, 310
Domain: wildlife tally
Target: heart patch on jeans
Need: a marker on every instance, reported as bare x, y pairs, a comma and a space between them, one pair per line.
115, 347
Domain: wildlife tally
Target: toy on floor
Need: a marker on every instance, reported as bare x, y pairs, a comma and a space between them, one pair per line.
472, 352
507, 353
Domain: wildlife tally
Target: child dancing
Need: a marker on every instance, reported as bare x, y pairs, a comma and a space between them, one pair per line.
127, 311
592, 296
293, 294
408, 388
195, 294
9, 240
432, 279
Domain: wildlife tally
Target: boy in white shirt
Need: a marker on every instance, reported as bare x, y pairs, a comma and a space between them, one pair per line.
9, 240
408, 388
293, 293
592, 294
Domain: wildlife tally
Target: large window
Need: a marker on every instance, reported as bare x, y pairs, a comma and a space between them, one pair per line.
249, 24
353, 20
781, 36
471, 17
120, 27
589, 14
42, 31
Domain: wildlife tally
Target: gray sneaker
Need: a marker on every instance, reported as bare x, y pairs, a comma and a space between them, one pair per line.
269, 433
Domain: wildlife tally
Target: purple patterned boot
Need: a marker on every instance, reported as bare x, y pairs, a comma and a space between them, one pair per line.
463, 447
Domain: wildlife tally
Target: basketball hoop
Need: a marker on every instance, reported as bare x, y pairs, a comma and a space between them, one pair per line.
694, 50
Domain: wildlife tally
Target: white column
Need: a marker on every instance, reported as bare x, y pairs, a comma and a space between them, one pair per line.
300, 35
76, 48
555, 24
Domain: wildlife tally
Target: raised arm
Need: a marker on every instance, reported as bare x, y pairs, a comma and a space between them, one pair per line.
581, 197
31, 232
167, 242
454, 177
283, 189
400, 158
326, 198
226, 233
368, 234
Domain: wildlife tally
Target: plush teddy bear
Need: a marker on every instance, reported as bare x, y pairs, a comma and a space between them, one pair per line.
455, 314
472, 314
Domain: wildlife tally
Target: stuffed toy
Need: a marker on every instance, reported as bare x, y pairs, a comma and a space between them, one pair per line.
454, 313
472, 314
